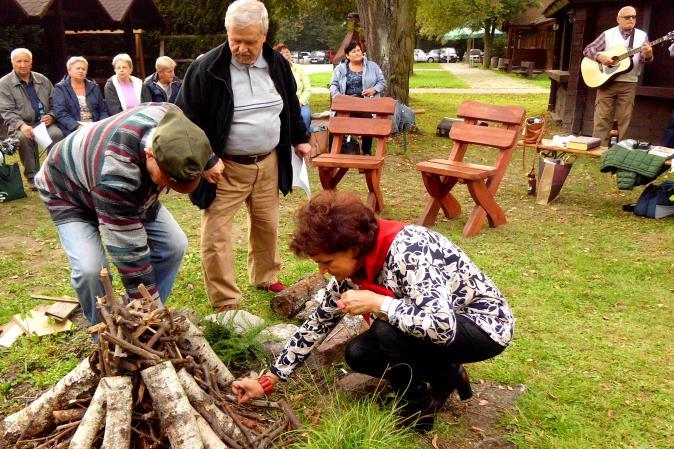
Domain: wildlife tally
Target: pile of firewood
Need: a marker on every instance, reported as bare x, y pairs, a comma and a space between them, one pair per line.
152, 382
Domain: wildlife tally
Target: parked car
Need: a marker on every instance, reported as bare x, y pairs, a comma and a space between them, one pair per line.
475, 55
436, 55
420, 55
318, 57
304, 57
450, 54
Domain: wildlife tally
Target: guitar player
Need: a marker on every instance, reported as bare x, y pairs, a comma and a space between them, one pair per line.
615, 99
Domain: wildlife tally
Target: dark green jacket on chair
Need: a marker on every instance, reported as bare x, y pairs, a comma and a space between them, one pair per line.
632, 167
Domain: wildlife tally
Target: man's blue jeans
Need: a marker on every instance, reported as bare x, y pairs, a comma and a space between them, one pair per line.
306, 116
82, 243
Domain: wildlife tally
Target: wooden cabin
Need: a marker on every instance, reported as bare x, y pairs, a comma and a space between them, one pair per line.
579, 22
60, 18
531, 37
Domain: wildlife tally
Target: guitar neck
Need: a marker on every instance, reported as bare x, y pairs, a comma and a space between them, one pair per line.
634, 51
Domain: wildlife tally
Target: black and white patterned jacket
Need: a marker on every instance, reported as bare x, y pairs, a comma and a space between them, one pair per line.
433, 281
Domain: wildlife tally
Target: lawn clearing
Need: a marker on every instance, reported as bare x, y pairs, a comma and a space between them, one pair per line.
425, 75
590, 286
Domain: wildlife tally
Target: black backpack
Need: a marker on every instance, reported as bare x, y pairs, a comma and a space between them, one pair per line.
656, 201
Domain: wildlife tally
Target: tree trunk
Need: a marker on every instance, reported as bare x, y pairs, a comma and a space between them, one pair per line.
489, 30
38, 415
208, 436
170, 402
118, 415
389, 34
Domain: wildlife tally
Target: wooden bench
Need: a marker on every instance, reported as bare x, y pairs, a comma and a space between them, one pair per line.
441, 175
334, 165
527, 69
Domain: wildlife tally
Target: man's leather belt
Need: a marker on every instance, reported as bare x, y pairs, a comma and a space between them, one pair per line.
245, 159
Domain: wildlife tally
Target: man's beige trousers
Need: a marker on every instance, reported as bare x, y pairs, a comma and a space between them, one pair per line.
257, 186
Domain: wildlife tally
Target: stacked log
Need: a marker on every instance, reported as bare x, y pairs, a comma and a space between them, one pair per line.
152, 382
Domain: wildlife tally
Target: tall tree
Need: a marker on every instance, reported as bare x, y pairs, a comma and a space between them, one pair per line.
389, 34
437, 17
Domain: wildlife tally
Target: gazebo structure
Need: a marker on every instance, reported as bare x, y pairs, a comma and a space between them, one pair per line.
61, 17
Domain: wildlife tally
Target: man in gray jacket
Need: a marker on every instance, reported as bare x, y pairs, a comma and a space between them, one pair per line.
25, 101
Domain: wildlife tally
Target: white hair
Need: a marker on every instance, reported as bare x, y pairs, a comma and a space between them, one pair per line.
18, 51
122, 57
242, 13
74, 60
164, 63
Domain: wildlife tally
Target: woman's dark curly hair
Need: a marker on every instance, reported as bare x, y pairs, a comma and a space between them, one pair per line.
351, 46
334, 221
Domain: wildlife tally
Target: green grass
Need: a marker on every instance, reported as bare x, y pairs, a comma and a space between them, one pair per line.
425, 75
591, 288
540, 80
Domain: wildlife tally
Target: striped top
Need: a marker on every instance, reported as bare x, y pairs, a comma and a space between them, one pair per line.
98, 175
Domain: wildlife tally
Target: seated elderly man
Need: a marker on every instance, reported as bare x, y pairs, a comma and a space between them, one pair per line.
164, 85
24, 103
101, 186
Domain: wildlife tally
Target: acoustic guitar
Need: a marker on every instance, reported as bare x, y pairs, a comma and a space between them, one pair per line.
596, 74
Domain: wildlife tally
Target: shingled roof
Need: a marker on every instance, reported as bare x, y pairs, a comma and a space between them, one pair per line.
84, 14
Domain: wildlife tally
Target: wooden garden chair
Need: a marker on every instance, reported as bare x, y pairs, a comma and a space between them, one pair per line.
441, 175
333, 166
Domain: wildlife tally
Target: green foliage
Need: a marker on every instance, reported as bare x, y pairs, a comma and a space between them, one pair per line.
236, 351
358, 425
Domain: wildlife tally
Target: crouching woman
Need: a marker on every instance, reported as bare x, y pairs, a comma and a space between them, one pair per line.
431, 308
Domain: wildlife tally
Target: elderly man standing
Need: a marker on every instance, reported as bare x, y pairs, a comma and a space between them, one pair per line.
24, 103
242, 94
615, 100
164, 85
101, 186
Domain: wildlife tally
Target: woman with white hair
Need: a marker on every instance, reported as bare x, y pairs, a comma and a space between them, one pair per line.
76, 99
163, 84
123, 91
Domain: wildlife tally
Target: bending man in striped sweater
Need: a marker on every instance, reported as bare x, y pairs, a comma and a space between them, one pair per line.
101, 186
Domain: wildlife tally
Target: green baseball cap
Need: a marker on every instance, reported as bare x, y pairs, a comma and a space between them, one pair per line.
180, 147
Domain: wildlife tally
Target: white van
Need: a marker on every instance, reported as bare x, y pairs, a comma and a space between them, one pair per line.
420, 55
450, 53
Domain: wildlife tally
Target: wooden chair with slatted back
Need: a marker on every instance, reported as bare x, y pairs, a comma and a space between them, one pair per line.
441, 175
333, 166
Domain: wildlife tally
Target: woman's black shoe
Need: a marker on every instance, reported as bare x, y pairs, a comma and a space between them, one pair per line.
460, 383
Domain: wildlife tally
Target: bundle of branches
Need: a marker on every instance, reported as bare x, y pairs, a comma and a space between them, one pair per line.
153, 381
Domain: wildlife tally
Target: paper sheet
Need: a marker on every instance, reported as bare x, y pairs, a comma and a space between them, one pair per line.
300, 175
42, 136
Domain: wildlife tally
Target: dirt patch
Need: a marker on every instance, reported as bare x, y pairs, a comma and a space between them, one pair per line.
477, 419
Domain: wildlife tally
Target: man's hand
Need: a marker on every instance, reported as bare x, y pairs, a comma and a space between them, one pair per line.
358, 302
214, 174
303, 150
605, 60
27, 131
647, 51
47, 119
371, 92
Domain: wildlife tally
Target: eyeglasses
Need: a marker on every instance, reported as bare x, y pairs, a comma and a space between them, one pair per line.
629, 17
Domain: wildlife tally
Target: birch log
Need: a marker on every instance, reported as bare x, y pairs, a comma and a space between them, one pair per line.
91, 422
208, 436
119, 407
220, 422
37, 417
193, 339
175, 412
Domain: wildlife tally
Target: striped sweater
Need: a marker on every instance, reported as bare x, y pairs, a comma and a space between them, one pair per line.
98, 175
